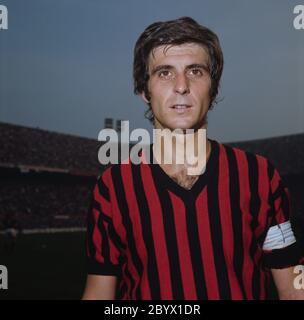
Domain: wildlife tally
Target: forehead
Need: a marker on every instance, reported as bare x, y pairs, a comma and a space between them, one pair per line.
167, 54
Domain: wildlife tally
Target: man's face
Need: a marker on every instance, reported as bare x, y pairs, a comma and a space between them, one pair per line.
179, 86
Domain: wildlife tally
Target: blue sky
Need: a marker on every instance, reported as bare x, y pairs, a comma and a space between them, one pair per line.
65, 65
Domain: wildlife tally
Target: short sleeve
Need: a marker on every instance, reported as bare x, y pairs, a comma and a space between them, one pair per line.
281, 249
102, 245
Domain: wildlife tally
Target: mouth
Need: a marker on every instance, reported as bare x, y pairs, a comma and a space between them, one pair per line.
181, 108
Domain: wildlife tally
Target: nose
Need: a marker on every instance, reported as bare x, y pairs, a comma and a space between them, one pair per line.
181, 85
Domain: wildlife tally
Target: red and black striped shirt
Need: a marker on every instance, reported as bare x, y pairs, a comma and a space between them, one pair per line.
166, 242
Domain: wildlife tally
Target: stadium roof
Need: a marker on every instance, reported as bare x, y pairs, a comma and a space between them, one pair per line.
47, 151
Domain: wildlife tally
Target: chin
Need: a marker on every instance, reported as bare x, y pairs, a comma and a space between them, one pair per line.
182, 126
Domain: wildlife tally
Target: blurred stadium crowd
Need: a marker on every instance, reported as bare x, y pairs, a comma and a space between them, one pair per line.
46, 178
44, 204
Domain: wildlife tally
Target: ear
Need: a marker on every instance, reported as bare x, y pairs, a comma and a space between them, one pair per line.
143, 95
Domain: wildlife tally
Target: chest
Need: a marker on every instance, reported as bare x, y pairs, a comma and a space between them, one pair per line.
184, 180
170, 225
181, 177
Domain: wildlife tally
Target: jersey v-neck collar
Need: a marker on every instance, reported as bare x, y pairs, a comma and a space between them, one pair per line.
166, 181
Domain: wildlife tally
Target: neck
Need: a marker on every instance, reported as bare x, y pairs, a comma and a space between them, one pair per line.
181, 149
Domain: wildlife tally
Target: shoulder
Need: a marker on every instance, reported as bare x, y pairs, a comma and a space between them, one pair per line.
242, 152
115, 172
253, 161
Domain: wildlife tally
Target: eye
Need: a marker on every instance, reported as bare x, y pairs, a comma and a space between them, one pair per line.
165, 74
196, 72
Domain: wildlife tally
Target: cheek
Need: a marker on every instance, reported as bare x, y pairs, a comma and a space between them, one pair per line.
201, 92
160, 92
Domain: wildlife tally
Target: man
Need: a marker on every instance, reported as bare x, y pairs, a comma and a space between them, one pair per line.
156, 232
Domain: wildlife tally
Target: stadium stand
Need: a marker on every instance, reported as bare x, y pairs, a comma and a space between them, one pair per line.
46, 178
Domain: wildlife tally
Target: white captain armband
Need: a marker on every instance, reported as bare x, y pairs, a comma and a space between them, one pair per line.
279, 237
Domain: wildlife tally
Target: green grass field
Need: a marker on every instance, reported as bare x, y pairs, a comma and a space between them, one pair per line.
45, 266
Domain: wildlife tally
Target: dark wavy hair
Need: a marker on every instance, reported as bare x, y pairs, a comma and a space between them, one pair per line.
176, 32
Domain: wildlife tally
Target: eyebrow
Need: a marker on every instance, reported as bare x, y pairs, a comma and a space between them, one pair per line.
169, 67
